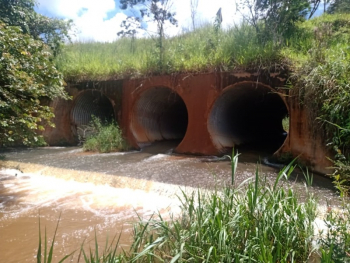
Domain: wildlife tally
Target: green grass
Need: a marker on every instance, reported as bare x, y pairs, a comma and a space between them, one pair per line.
203, 50
48, 249
257, 222
105, 138
319, 56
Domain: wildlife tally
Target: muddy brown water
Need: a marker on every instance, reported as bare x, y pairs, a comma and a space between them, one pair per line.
101, 193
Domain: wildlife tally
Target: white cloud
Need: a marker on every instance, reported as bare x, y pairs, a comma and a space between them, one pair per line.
228, 8
92, 21
206, 12
89, 16
91, 28
71, 8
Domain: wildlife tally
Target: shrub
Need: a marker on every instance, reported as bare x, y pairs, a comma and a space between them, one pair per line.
105, 138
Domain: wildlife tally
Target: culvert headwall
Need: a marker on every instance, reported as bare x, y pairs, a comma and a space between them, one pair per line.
211, 106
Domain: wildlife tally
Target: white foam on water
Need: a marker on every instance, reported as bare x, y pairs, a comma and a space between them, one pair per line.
34, 190
117, 153
156, 157
54, 147
8, 185
12, 172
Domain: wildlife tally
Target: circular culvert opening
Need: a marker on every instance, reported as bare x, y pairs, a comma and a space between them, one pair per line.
248, 116
159, 114
87, 104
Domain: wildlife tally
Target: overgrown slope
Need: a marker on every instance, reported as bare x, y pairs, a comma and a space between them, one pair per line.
319, 60
205, 50
316, 54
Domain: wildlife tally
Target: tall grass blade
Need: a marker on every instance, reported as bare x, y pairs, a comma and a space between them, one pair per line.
96, 249
45, 248
256, 189
234, 163
148, 248
49, 260
285, 173
38, 255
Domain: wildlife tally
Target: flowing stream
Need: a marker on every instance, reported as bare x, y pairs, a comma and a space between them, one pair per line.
105, 193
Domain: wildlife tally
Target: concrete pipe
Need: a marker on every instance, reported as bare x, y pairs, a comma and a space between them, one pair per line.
248, 115
159, 114
87, 104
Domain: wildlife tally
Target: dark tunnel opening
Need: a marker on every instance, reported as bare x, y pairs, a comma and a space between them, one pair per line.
87, 104
160, 114
248, 116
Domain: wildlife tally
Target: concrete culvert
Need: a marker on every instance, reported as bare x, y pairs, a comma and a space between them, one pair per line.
159, 114
87, 104
248, 115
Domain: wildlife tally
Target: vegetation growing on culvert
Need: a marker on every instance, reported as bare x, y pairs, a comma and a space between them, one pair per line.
320, 66
204, 50
105, 138
316, 55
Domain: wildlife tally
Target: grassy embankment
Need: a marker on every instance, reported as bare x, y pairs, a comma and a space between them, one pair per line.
316, 55
204, 50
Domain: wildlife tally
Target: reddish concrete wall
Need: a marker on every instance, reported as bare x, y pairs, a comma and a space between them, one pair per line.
199, 92
303, 141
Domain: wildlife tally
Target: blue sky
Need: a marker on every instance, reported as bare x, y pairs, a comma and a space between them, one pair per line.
100, 20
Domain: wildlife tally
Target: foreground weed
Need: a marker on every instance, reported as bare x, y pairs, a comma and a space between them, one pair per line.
256, 222
234, 163
47, 257
108, 255
309, 178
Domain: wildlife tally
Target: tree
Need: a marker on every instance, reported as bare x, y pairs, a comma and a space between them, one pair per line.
194, 6
339, 6
26, 77
250, 12
130, 27
27, 73
50, 30
158, 11
17, 13
314, 4
274, 19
